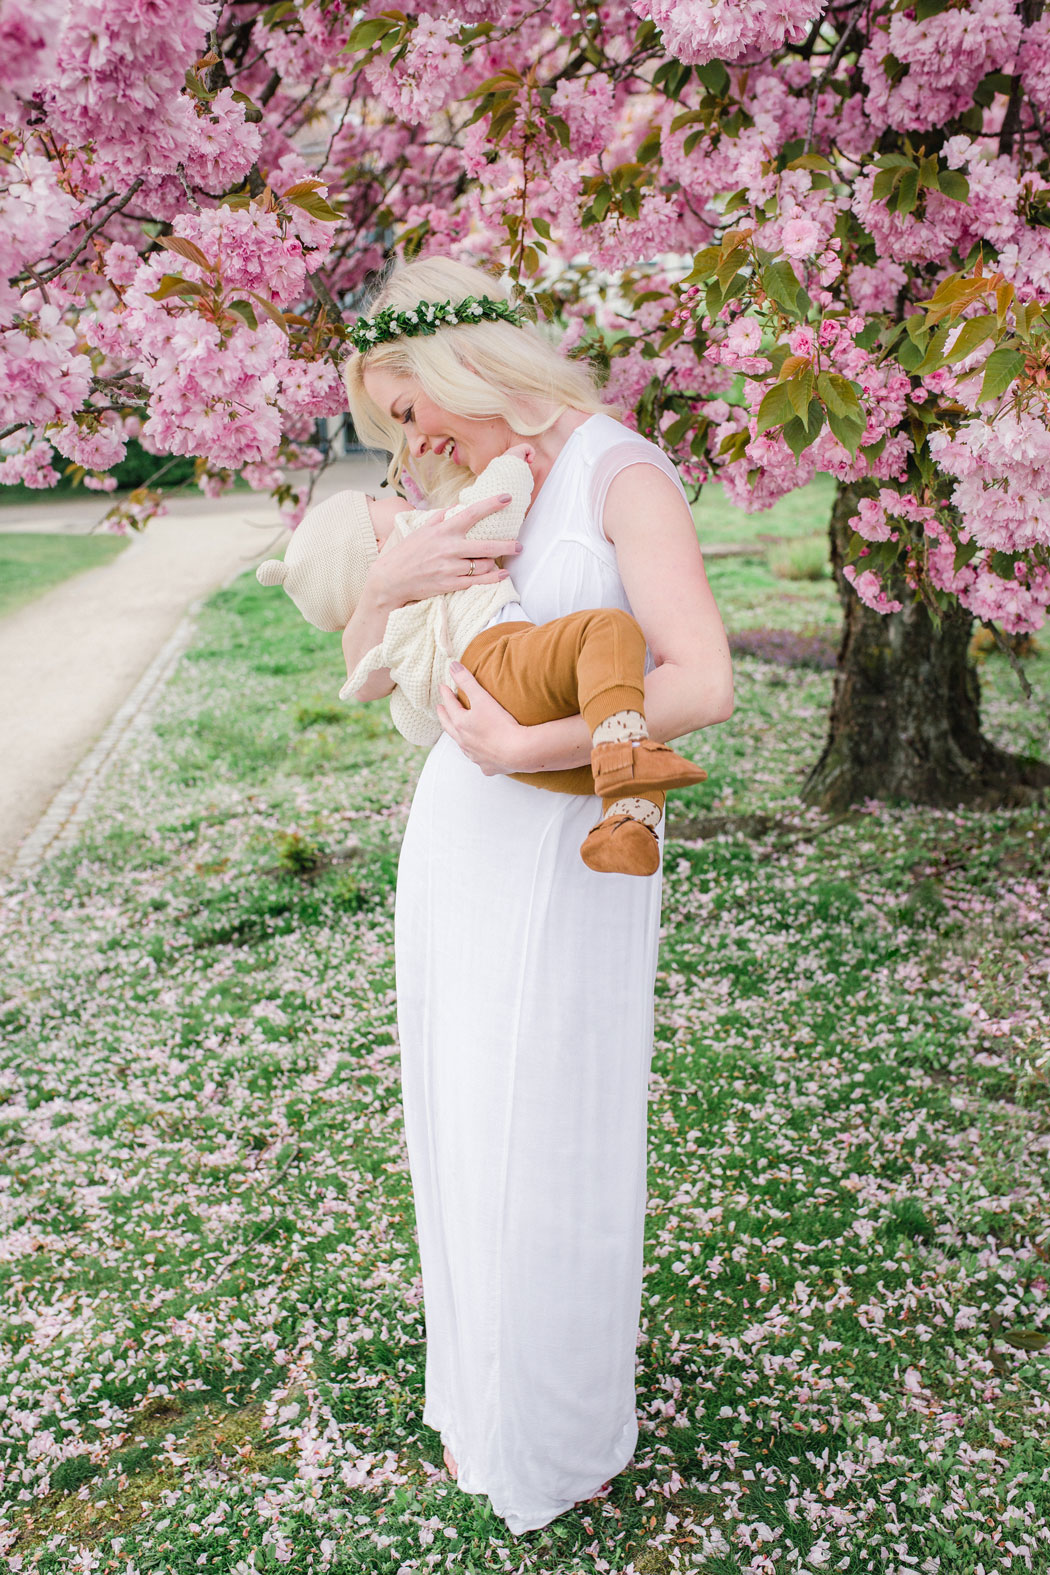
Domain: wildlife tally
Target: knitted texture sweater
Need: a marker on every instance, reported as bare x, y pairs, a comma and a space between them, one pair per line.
422, 639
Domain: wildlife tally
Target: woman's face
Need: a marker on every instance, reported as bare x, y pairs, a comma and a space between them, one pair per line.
468, 440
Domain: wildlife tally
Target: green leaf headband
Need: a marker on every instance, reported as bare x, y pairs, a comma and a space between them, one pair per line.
427, 318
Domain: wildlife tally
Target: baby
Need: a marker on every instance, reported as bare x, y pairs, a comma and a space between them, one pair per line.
590, 663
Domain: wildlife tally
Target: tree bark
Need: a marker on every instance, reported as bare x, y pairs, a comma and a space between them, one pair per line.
905, 723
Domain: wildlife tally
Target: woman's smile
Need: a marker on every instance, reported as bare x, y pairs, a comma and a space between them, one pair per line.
469, 441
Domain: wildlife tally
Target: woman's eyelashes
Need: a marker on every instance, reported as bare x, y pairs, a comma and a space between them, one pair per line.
406, 416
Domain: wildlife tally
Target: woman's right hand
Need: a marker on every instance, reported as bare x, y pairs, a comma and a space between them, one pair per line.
436, 558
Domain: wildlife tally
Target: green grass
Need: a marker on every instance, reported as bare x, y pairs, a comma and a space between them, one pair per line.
31, 563
805, 512
213, 1338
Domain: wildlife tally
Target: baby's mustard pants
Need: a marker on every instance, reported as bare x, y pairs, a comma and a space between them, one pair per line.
589, 663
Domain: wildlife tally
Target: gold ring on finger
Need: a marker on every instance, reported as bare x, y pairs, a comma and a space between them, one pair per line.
470, 571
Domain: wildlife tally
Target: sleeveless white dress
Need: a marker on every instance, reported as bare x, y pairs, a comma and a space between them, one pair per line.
525, 1014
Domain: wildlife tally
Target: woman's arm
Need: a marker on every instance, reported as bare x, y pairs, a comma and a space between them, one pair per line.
661, 565
408, 569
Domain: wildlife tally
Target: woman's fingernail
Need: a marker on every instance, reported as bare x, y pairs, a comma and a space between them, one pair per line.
504, 497
519, 546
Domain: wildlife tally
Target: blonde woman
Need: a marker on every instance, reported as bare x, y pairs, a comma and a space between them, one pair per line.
525, 984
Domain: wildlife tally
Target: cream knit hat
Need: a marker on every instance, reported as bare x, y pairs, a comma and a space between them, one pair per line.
324, 568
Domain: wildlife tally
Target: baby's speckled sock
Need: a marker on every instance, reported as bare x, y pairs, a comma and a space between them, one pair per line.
621, 727
641, 809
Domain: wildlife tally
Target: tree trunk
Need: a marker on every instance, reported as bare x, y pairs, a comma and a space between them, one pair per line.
905, 721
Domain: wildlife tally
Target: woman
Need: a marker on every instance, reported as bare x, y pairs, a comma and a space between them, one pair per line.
525, 980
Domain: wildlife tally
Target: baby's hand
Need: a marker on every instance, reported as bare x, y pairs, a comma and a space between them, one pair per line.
523, 451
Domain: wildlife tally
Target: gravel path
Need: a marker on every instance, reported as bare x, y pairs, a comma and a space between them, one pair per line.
83, 662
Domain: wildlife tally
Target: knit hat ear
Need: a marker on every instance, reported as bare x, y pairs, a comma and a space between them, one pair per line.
272, 572
327, 560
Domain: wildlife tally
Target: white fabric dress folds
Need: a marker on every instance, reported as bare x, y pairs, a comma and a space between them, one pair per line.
525, 1013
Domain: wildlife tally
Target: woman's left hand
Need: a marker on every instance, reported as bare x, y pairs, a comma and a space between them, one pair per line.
486, 733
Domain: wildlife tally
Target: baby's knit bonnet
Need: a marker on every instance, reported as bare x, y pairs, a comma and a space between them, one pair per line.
324, 567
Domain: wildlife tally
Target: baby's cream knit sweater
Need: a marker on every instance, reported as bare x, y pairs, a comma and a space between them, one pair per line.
423, 638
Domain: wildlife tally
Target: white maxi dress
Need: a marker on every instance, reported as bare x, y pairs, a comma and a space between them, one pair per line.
525, 1013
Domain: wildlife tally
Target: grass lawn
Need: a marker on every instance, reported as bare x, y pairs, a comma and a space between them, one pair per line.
213, 1338
31, 562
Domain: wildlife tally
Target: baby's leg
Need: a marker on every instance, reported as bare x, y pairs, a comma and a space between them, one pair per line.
590, 663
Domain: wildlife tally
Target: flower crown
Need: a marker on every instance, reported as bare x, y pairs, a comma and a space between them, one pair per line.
427, 318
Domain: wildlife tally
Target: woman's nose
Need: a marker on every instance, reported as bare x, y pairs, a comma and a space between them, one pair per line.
417, 444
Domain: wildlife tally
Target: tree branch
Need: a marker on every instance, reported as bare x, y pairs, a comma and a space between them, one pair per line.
58, 267
833, 60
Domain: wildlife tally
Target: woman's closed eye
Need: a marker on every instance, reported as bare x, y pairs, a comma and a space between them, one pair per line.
406, 416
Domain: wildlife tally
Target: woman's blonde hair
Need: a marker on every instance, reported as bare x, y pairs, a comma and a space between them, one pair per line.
472, 369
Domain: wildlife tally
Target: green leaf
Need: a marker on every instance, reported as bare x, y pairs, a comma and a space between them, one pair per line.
244, 309
369, 32
953, 184
800, 390
839, 396
734, 445
174, 284
974, 331
316, 207
884, 183
894, 161
252, 113
1000, 369
848, 431
910, 354
714, 76
195, 86
703, 263
776, 407
649, 148
1026, 1339
672, 77
502, 121
271, 311
964, 551
187, 249
908, 191
729, 264
782, 286
933, 357
799, 434
810, 161
274, 13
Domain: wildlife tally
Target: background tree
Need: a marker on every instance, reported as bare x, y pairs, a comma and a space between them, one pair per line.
803, 239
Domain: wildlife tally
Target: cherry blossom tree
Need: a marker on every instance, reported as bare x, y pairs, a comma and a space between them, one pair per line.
799, 238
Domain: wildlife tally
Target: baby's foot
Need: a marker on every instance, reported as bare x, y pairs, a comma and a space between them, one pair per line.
621, 845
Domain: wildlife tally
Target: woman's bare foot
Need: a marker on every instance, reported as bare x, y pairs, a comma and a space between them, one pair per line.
453, 1469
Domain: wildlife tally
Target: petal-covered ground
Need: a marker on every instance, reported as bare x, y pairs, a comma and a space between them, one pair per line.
212, 1344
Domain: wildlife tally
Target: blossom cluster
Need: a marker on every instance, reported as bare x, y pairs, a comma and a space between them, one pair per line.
702, 30
295, 147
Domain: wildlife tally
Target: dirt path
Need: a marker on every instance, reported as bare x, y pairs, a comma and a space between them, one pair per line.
73, 659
